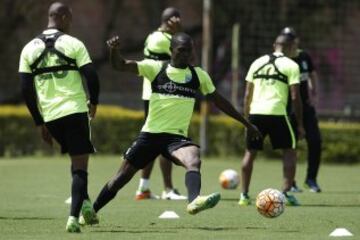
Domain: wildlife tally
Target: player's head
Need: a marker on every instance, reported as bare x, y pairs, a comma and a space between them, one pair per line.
60, 16
168, 13
181, 47
291, 33
285, 44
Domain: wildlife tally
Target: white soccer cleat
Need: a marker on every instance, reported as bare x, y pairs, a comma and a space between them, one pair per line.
173, 194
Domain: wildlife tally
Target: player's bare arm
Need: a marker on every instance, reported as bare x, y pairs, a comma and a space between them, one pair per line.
248, 98
117, 61
225, 106
296, 102
313, 87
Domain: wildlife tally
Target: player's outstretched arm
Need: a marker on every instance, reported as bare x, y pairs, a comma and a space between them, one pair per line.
225, 106
116, 60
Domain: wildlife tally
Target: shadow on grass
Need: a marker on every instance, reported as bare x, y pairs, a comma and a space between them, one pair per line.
330, 205
230, 199
26, 218
341, 192
131, 231
168, 230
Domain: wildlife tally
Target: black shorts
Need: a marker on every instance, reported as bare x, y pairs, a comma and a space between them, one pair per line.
72, 132
148, 146
277, 127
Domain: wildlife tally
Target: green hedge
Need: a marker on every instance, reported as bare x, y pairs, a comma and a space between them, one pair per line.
114, 129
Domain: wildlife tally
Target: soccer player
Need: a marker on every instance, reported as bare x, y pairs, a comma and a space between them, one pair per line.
50, 70
157, 47
174, 85
269, 80
308, 92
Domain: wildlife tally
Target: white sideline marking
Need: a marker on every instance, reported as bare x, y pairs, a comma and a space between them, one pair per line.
340, 232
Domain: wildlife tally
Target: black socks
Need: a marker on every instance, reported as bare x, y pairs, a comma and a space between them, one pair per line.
78, 191
104, 197
193, 184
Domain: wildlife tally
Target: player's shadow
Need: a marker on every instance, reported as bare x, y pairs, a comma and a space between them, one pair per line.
341, 192
210, 228
230, 199
167, 230
131, 231
25, 218
330, 205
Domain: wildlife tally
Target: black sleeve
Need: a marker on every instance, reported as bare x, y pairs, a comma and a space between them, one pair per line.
92, 81
29, 94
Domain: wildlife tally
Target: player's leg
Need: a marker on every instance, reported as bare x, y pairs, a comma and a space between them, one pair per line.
119, 180
246, 172
79, 184
143, 191
189, 157
252, 146
73, 134
292, 118
143, 151
282, 136
289, 170
169, 193
314, 142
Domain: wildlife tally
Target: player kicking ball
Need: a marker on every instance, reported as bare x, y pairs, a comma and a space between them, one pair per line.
174, 85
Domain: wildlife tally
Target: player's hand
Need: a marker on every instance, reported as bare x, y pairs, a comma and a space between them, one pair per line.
174, 25
313, 98
92, 110
114, 42
45, 135
253, 132
301, 132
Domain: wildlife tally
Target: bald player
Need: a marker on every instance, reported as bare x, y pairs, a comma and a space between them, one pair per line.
268, 83
174, 85
50, 69
157, 47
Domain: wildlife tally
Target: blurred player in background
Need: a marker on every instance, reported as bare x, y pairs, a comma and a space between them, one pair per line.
174, 85
157, 47
269, 81
308, 92
50, 69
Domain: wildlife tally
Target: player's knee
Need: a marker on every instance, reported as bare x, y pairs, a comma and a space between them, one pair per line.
193, 164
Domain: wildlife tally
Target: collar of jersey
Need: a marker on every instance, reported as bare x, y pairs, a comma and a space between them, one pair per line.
50, 31
177, 69
278, 54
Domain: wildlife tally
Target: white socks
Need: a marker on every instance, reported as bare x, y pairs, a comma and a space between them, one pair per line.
144, 184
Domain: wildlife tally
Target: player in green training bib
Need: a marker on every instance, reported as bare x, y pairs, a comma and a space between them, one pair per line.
157, 47
269, 81
174, 85
50, 69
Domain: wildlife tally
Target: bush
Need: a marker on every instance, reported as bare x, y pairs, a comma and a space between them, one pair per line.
115, 128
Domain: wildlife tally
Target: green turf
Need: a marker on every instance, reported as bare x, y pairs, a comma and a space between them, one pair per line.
33, 191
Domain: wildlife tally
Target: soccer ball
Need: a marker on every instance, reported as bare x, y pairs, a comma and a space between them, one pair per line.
270, 203
229, 179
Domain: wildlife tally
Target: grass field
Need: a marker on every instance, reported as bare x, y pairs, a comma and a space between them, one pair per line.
33, 191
